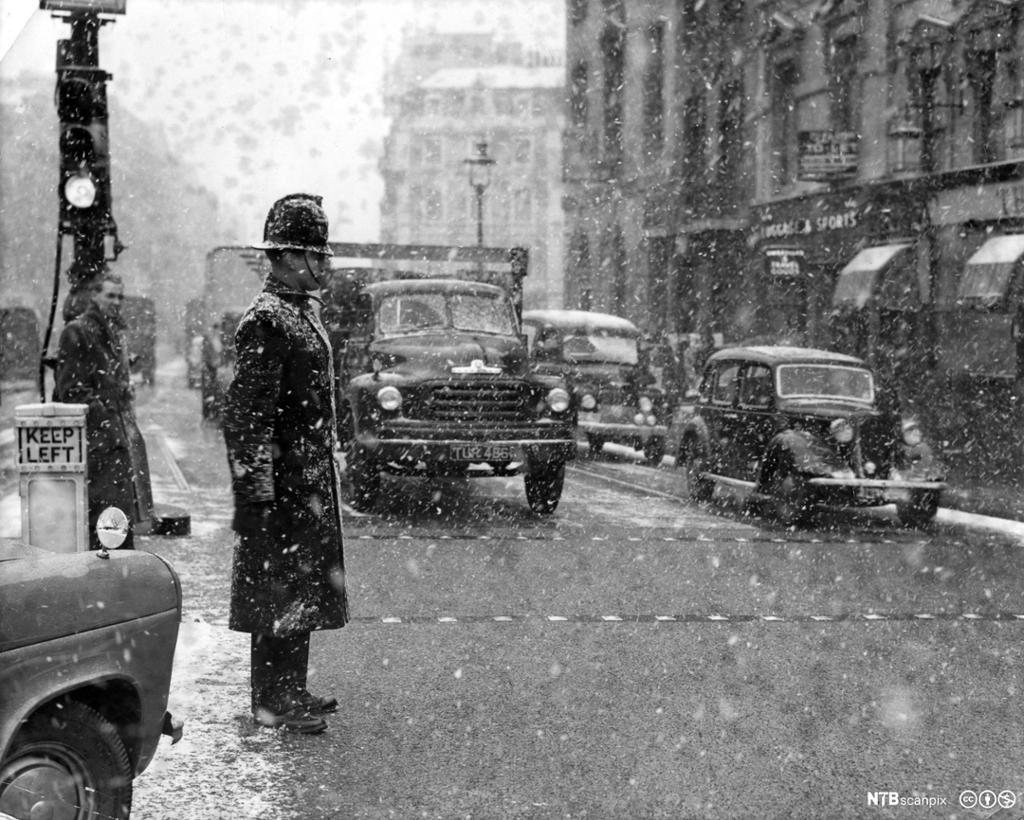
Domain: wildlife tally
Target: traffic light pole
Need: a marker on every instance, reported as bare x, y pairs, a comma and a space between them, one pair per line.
84, 189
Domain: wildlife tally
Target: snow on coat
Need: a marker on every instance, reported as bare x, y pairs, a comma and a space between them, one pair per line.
92, 368
279, 425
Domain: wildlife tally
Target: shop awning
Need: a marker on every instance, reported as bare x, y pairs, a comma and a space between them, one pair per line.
990, 272
886, 272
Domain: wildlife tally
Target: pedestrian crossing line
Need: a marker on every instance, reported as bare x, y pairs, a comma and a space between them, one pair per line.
698, 618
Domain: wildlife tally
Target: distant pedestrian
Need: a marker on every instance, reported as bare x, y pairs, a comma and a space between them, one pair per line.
280, 427
92, 368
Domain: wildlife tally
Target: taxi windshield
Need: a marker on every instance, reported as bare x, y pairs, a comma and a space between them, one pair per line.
825, 381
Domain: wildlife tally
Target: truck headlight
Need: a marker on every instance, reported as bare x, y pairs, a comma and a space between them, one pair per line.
842, 431
638, 419
911, 434
558, 400
588, 402
389, 398
646, 405
651, 420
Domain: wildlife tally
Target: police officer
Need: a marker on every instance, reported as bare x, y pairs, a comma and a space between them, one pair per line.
280, 429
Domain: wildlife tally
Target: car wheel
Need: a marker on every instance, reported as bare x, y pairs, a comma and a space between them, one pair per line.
691, 456
919, 510
595, 443
544, 488
67, 761
364, 476
787, 492
654, 451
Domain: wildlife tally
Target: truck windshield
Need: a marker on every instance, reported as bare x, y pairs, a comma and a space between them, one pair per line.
405, 313
599, 346
829, 381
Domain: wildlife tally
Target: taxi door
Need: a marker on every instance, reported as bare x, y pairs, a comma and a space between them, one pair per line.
720, 415
756, 418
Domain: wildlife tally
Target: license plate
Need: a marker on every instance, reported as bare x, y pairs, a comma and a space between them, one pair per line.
485, 452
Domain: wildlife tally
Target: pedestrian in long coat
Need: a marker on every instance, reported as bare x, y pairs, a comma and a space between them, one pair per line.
92, 369
280, 429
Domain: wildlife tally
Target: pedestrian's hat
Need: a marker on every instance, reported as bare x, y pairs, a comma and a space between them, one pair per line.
296, 222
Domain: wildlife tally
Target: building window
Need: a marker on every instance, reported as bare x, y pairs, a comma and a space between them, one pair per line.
730, 137
433, 210
783, 82
503, 103
981, 77
521, 150
613, 54
694, 144
578, 94
693, 21
844, 83
476, 104
522, 205
432, 151
579, 268
432, 105
654, 91
577, 11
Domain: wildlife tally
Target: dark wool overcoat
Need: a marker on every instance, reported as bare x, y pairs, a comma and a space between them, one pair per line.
92, 369
279, 426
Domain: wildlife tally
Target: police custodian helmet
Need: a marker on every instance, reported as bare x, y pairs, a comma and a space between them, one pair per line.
296, 222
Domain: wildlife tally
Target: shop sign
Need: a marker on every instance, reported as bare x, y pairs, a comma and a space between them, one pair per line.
784, 262
813, 223
981, 202
827, 155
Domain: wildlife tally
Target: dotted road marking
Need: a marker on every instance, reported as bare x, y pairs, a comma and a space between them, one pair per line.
697, 618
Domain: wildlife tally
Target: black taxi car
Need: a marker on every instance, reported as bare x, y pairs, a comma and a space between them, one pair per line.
800, 426
87, 644
599, 355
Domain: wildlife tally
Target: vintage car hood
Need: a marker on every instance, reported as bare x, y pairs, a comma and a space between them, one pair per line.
430, 354
826, 409
46, 595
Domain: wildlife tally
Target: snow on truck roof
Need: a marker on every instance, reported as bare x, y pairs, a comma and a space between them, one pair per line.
580, 319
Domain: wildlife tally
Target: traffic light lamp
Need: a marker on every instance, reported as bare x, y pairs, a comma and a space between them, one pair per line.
84, 188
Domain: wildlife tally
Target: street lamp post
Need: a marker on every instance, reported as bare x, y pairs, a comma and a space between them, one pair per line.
479, 166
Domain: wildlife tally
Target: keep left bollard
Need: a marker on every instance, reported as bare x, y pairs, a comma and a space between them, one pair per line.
51, 464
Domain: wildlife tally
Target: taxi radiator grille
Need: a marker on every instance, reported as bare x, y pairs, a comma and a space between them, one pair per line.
476, 403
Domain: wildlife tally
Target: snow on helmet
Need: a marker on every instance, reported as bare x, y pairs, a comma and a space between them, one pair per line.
296, 222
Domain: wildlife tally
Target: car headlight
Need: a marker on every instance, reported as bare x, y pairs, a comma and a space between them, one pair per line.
588, 402
389, 398
912, 434
651, 420
646, 405
842, 431
558, 400
638, 418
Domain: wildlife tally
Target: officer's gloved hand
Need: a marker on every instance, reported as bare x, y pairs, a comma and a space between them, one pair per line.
252, 518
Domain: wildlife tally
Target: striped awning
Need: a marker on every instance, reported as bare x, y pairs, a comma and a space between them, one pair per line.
990, 272
885, 272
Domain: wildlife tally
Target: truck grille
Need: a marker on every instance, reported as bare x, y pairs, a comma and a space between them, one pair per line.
475, 401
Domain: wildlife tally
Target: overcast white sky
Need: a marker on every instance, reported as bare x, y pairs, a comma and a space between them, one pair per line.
265, 97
